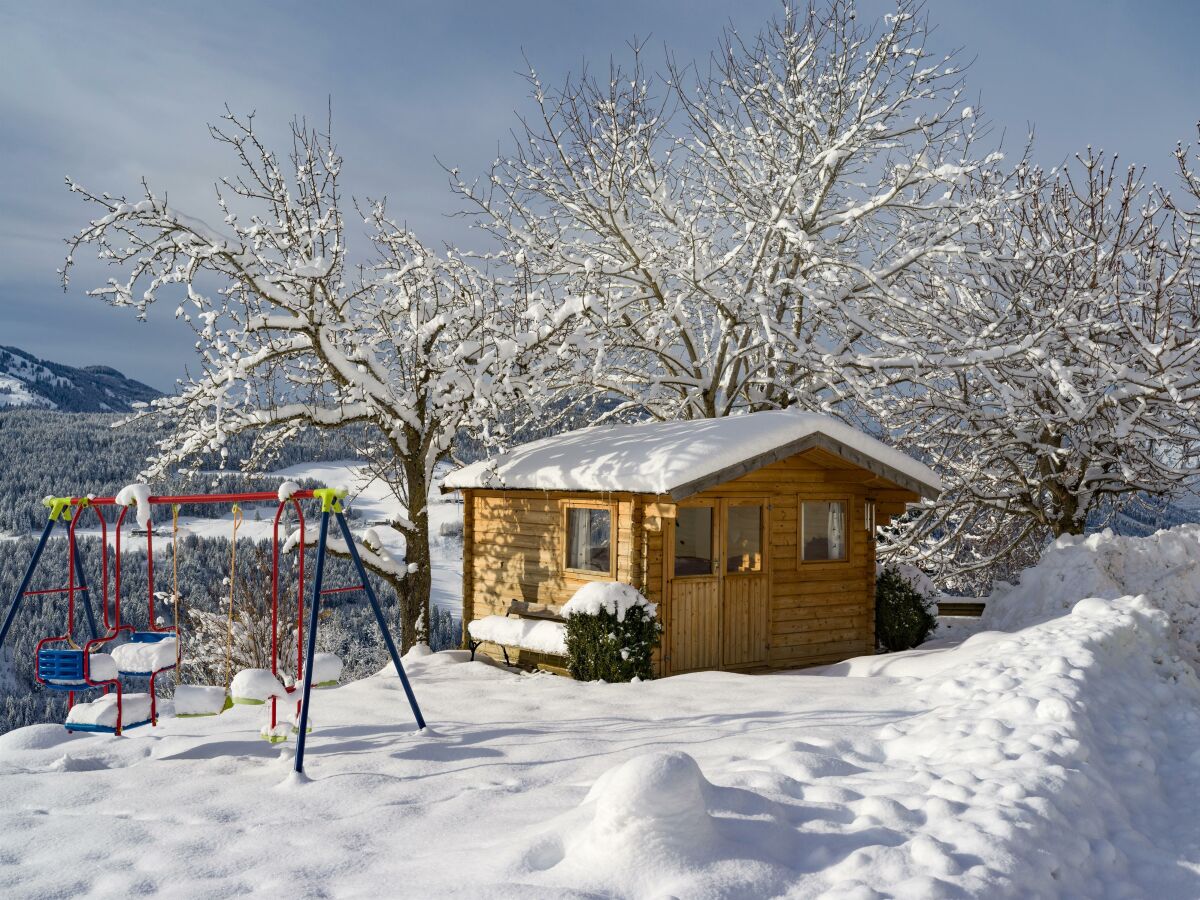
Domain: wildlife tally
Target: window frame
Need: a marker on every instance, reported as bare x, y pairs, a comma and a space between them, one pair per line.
613, 538
848, 502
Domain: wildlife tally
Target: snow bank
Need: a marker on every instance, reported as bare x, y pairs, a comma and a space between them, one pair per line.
255, 686
199, 700
658, 457
538, 635
136, 494
1164, 567
137, 656
613, 596
103, 711
327, 668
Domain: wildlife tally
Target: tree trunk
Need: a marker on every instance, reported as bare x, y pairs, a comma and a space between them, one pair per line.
414, 602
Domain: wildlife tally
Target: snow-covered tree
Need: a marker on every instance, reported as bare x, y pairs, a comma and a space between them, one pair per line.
1052, 379
408, 345
723, 232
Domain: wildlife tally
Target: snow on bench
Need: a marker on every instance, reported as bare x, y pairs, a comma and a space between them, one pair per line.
145, 656
102, 711
536, 635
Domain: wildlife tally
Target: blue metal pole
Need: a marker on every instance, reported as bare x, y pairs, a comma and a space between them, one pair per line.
387, 634
85, 593
312, 641
16, 603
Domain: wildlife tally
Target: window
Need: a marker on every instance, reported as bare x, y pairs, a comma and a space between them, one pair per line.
694, 540
743, 539
589, 539
823, 530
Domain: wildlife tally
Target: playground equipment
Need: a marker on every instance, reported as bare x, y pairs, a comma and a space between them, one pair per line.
78, 669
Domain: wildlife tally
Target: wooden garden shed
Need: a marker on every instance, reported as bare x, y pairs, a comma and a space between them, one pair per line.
754, 534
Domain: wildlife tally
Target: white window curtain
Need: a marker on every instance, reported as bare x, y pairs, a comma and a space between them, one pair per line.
577, 556
837, 531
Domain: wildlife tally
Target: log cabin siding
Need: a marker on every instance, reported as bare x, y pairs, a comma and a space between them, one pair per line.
514, 547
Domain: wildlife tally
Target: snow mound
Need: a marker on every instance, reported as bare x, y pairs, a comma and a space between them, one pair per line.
1163, 567
138, 656
256, 685
613, 596
138, 494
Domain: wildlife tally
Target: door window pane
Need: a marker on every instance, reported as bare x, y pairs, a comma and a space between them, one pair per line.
694, 540
743, 539
589, 539
823, 530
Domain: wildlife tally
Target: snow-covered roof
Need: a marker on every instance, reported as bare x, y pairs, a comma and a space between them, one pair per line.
684, 458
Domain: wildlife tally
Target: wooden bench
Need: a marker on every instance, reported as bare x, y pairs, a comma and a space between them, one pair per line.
960, 608
519, 609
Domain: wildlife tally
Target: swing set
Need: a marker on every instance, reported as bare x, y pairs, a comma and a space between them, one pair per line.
64, 665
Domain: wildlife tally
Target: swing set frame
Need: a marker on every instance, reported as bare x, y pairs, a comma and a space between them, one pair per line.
67, 511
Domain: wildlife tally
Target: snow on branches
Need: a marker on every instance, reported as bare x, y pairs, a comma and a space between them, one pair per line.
722, 237
409, 343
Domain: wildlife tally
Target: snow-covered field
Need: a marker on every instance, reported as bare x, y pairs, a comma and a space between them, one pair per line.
1057, 754
1060, 760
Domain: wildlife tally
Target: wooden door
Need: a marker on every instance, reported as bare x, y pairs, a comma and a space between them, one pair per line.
745, 584
694, 605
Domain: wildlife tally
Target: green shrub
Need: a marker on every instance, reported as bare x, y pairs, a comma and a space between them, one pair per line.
602, 647
902, 616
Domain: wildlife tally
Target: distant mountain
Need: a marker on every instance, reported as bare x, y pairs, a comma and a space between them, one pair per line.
28, 381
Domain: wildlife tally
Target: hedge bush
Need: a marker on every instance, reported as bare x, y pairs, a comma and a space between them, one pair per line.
603, 647
902, 616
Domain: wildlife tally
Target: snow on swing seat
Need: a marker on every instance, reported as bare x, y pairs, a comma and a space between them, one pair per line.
327, 669
255, 686
101, 713
199, 700
142, 657
101, 667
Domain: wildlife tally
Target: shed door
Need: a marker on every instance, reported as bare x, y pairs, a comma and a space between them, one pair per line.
694, 614
745, 589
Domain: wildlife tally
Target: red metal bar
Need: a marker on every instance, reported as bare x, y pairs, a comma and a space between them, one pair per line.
252, 497
342, 590
51, 591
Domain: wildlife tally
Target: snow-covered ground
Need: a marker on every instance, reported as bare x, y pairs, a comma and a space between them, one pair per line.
1061, 760
1055, 755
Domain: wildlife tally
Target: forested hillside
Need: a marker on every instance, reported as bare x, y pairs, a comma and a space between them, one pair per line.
26, 380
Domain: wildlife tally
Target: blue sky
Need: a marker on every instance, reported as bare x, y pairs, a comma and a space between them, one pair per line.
109, 93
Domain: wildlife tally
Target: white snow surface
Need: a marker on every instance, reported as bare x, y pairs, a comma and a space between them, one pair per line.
538, 635
286, 490
613, 596
1056, 761
145, 657
103, 710
136, 494
326, 667
256, 684
198, 699
1164, 567
658, 457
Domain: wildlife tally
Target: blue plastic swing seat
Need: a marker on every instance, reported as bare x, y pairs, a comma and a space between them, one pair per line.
150, 637
62, 670
103, 729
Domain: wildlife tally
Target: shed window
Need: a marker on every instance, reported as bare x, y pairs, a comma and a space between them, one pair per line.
823, 530
743, 540
694, 541
589, 539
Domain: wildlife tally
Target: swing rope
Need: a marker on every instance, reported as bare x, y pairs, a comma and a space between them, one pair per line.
237, 522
